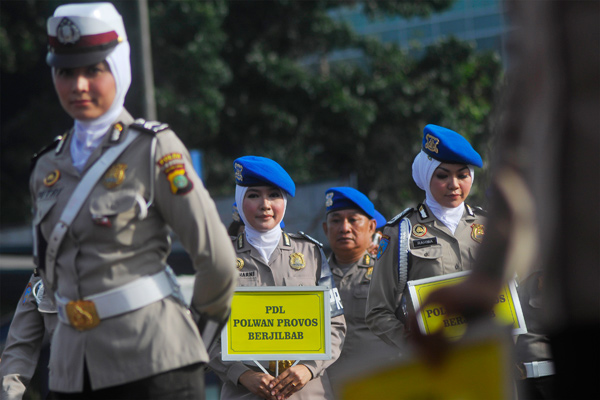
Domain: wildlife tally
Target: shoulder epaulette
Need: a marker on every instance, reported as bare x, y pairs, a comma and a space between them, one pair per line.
398, 217
153, 127
477, 209
54, 145
303, 235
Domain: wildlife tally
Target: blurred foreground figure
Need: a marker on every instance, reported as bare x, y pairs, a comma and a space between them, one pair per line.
546, 200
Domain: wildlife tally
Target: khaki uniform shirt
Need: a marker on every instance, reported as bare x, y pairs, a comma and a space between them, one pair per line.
353, 285
108, 245
434, 251
255, 272
31, 323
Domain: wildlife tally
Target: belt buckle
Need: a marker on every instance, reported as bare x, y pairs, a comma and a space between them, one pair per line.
283, 365
82, 314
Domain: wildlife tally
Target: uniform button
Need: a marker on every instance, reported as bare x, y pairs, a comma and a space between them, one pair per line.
457, 267
426, 254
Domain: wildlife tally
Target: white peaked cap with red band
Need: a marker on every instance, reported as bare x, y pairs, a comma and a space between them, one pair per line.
83, 34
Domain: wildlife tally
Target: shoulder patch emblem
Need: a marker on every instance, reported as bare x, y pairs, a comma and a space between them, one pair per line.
169, 159
28, 290
177, 177
477, 232
52, 178
114, 176
419, 230
297, 261
383, 244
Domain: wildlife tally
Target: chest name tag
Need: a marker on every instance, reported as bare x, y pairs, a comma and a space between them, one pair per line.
424, 242
248, 274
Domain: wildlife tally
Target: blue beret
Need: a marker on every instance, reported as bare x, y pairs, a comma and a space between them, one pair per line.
338, 198
381, 221
447, 146
261, 171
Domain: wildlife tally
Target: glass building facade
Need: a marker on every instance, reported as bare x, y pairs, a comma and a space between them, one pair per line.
478, 21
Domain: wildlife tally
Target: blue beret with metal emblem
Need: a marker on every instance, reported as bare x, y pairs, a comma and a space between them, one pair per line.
261, 171
447, 146
338, 198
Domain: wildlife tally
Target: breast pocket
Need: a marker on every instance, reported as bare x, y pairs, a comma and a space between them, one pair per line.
116, 211
426, 262
299, 281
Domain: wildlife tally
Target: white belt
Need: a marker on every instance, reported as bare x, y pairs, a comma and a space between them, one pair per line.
537, 369
86, 313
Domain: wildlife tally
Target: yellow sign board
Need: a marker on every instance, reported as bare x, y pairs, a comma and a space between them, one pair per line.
434, 317
470, 371
278, 322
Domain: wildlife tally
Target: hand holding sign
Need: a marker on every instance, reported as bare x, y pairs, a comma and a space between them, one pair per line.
290, 381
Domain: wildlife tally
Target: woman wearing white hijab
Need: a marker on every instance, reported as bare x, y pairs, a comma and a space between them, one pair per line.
105, 198
444, 235
268, 256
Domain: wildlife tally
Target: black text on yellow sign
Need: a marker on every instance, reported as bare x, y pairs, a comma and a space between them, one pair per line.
434, 317
268, 323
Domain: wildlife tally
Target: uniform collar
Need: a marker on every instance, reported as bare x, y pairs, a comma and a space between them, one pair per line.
241, 243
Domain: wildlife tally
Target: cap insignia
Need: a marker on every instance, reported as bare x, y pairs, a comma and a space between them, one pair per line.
297, 261
477, 232
432, 143
52, 178
67, 32
238, 172
329, 199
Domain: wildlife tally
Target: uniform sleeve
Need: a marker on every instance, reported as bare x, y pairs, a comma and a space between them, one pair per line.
23, 345
189, 210
338, 322
227, 371
383, 297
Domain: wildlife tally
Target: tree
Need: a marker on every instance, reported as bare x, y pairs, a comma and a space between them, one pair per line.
235, 78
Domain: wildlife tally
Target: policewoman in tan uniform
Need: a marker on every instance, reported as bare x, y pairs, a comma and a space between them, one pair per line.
32, 325
350, 224
438, 237
105, 198
268, 256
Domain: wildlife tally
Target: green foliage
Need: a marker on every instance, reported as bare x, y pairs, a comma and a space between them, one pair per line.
258, 77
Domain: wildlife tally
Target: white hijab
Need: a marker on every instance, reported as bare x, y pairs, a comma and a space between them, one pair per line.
89, 134
422, 171
264, 242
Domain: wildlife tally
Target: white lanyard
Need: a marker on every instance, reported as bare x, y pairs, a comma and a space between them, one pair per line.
80, 194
